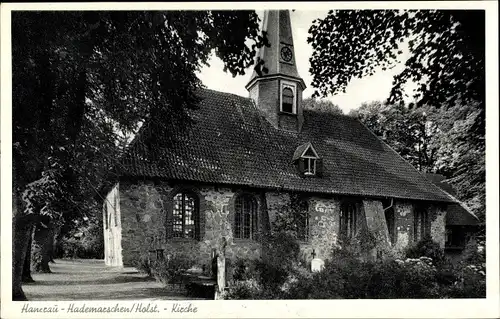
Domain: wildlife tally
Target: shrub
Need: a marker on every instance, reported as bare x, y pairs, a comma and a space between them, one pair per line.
244, 270
347, 276
171, 269
245, 290
281, 249
471, 283
427, 248
143, 264
474, 253
86, 241
469, 279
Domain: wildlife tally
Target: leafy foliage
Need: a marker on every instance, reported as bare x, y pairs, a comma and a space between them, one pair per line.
84, 82
435, 140
426, 248
446, 47
348, 277
412, 133
461, 155
171, 269
321, 105
85, 240
39, 195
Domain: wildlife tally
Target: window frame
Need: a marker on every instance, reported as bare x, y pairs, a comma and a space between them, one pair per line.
303, 233
293, 87
420, 223
349, 232
390, 220
307, 168
195, 215
242, 201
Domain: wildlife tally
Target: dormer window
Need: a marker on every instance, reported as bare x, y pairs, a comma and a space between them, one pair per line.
307, 160
288, 98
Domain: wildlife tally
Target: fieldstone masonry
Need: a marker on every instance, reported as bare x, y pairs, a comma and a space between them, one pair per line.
323, 228
404, 225
376, 224
137, 223
438, 224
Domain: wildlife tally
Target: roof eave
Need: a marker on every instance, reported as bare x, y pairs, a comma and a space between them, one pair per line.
277, 76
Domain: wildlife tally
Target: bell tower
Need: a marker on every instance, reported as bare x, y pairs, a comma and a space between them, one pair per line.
275, 85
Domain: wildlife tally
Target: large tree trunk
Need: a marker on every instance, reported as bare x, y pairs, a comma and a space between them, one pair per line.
53, 242
40, 253
22, 226
27, 260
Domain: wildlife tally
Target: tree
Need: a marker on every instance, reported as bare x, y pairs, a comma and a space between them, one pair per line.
434, 140
461, 155
447, 62
83, 79
321, 105
410, 132
446, 47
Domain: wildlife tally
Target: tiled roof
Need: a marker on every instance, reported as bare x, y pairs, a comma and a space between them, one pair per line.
457, 214
232, 143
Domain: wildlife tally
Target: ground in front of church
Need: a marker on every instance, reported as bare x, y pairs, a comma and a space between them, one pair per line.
90, 279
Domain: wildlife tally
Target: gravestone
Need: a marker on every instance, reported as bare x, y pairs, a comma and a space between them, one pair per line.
221, 269
317, 265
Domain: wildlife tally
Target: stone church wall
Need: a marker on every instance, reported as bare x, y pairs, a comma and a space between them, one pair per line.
324, 227
143, 208
438, 224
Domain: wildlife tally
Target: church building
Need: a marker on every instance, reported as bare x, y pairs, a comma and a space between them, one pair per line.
245, 160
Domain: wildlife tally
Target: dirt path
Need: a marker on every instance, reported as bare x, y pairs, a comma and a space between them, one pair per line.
91, 280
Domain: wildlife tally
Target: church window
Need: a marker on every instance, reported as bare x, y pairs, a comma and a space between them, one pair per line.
185, 216
420, 223
390, 221
348, 219
245, 217
106, 214
300, 209
288, 98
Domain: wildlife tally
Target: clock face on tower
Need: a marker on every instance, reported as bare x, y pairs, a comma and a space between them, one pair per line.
286, 54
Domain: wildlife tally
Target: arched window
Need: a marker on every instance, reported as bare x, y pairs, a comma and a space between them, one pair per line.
391, 226
348, 219
420, 223
245, 217
300, 208
185, 221
287, 99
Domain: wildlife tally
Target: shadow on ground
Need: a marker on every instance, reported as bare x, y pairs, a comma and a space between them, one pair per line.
92, 280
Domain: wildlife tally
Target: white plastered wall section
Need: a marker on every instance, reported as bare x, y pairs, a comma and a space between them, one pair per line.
112, 228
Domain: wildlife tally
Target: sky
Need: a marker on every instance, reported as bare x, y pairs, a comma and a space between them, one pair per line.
376, 87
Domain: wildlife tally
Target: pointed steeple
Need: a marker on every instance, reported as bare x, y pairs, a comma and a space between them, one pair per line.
275, 85
279, 57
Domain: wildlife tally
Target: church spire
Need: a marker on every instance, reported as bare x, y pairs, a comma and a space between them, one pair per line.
275, 85
279, 57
